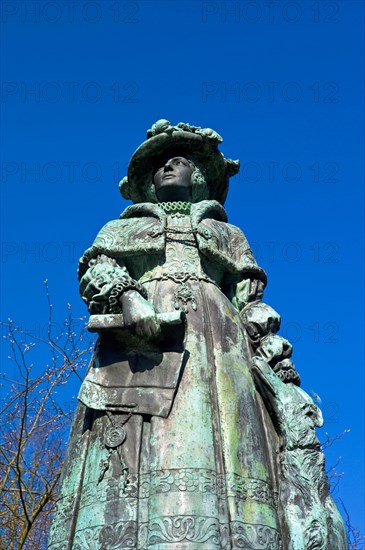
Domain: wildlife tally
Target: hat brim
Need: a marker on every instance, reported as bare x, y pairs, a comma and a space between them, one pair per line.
203, 153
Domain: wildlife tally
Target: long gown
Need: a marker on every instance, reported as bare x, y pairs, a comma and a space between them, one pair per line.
202, 476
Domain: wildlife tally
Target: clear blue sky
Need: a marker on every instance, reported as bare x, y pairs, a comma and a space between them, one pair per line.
280, 81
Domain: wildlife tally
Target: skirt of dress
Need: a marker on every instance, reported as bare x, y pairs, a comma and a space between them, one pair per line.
204, 477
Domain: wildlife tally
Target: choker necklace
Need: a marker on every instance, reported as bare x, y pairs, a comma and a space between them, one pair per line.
176, 206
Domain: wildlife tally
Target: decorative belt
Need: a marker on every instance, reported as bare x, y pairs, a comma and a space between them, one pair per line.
179, 277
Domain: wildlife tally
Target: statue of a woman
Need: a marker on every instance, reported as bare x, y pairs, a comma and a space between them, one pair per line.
173, 445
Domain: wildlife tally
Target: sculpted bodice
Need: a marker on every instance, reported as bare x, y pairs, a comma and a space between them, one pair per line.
182, 259
181, 252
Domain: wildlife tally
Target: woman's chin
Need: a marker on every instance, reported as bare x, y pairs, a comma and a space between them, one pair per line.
171, 193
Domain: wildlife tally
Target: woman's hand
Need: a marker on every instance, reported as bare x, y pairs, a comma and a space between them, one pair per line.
139, 315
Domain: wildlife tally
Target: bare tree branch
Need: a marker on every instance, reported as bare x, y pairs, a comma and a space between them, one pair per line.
34, 425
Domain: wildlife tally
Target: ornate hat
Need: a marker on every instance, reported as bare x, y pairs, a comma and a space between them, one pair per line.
200, 145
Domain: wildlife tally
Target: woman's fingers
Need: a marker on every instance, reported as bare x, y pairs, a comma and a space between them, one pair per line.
147, 327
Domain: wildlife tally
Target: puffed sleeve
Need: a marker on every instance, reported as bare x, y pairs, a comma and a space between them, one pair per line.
246, 284
98, 281
102, 281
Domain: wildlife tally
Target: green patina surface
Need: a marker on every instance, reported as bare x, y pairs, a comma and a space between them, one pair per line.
191, 431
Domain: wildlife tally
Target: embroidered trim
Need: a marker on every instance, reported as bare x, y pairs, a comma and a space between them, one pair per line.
124, 284
181, 531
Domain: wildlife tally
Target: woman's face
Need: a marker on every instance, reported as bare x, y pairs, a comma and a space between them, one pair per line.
173, 180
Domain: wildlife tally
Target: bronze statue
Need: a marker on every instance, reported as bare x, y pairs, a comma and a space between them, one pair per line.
181, 438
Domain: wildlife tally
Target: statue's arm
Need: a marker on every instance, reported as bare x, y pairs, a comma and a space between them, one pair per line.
107, 287
245, 284
245, 290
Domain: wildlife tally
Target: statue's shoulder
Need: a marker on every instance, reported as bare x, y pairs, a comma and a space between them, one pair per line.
223, 241
210, 213
225, 228
123, 229
137, 229
226, 236
114, 232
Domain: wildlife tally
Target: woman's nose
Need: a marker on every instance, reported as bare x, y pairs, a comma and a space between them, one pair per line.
168, 166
